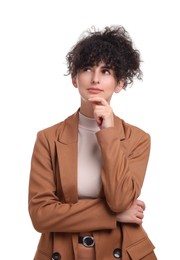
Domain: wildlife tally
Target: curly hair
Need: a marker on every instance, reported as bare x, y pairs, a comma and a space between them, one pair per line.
113, 46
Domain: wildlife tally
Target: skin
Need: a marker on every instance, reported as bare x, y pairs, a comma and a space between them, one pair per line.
134, 214
96, 86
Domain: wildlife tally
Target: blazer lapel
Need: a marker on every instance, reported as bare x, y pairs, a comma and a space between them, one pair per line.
119, 126
66, 147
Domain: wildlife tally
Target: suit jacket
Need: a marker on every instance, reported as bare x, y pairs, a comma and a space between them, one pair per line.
53, 198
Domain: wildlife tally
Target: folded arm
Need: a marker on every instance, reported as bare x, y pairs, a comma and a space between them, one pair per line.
48, 212
124, 167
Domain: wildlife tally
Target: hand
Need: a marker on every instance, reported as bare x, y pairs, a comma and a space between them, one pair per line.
134, 214
102, 112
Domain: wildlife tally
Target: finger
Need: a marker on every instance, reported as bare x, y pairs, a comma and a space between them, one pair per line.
99, 121
140, 215
141, 204
140, 209
138, 221
98, 101
98, 117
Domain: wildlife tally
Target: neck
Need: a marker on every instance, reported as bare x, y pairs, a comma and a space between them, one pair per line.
86, 109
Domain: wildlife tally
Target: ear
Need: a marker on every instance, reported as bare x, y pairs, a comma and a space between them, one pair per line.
74, 81
119, 86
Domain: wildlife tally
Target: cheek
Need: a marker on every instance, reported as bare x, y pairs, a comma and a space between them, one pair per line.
83, 80
109, 84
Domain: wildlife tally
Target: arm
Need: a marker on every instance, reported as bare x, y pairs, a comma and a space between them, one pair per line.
47, 212
123, 170
124, 164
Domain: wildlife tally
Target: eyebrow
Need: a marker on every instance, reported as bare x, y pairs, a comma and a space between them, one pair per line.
106, 67
102, 67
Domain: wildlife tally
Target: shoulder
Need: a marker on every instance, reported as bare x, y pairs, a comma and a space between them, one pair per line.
53, 132
131, 132
136, 140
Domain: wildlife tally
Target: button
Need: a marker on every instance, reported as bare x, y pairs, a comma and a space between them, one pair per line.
117, 253
88, 241
56, 256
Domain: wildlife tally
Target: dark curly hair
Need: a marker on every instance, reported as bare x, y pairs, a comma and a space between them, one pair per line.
113, 46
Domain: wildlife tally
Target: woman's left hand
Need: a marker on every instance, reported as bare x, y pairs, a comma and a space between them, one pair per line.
134, 214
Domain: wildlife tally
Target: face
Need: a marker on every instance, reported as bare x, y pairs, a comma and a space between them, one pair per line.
97, 81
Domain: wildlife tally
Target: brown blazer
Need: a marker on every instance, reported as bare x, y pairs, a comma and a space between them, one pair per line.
53, 199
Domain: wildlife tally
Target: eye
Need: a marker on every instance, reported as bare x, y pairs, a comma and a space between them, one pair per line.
106, 71
86, 69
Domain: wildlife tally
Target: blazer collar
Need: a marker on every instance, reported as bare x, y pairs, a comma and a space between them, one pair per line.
69, 134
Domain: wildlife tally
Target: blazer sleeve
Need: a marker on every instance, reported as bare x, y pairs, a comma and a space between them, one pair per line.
124, 166
48, 213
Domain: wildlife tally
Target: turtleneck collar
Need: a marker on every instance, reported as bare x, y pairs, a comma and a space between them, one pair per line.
88, 123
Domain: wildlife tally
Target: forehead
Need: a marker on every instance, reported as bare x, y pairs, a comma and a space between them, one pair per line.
102, 64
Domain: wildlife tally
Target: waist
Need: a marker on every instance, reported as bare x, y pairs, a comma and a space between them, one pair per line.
87, 253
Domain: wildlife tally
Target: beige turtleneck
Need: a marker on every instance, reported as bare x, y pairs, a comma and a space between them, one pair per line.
89, 159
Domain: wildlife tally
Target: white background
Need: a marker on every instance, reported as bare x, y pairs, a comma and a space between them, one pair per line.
34, 93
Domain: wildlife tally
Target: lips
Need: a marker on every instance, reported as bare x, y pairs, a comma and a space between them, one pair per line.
94, 90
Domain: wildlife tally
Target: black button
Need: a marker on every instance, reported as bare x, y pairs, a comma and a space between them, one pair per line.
117, 253
56, 256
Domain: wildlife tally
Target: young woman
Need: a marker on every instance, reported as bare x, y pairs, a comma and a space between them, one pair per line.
87, 171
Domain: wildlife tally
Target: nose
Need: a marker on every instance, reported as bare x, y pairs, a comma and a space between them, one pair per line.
95, 78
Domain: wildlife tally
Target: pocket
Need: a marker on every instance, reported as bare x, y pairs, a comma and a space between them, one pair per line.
140, 249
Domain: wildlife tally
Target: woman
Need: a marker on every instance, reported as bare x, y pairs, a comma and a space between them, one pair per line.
87, 171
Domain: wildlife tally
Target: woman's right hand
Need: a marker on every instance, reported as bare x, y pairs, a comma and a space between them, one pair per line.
134, 214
